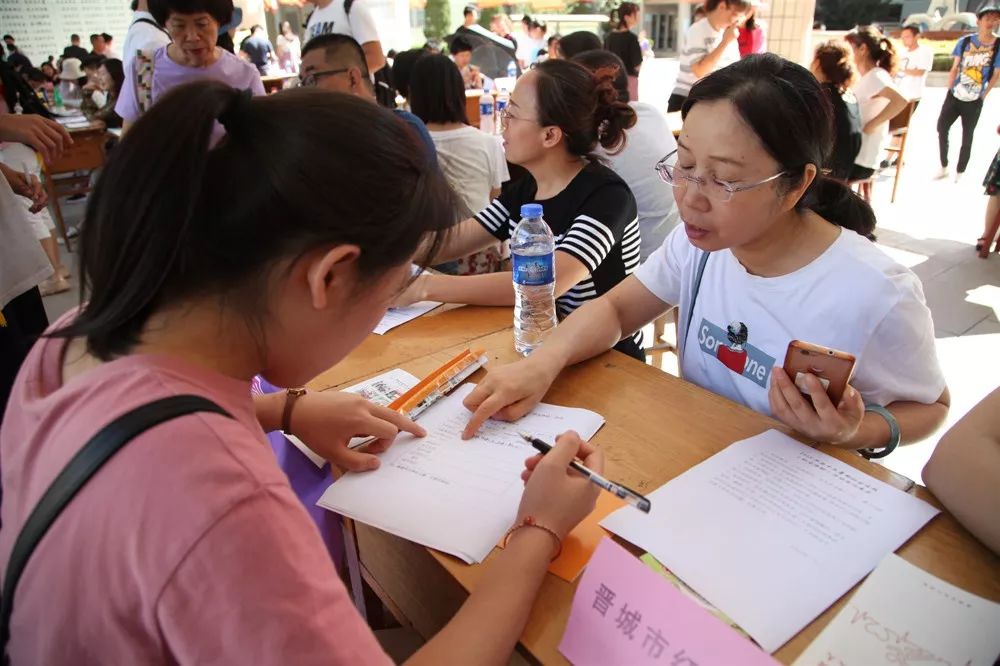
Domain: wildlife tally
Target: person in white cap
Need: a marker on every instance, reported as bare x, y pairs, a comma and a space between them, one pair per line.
71, 80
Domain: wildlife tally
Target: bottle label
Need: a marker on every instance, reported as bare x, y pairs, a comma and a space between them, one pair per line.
486, 109
534, 270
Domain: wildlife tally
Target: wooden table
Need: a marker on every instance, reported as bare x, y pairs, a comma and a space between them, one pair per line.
275, 82
448, 327
85, 155
657, 427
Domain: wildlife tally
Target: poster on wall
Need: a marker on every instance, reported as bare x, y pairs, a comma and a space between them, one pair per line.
42, 27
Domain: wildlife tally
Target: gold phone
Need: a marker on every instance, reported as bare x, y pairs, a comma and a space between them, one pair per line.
833, 368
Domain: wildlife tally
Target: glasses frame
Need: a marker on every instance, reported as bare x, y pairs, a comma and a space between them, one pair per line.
312, 79
506, 117
666, 174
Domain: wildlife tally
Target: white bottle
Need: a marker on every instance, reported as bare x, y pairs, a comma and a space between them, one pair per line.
503, 99
532, 248
486, 114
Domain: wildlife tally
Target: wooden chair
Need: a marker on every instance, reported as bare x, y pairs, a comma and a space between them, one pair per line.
70, 174
660, 346
899, 129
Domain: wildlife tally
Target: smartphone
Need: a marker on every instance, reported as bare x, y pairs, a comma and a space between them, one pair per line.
833, 368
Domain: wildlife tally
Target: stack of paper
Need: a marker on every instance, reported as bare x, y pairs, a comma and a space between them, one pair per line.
772, 531
398, 316
903, 615
446, 493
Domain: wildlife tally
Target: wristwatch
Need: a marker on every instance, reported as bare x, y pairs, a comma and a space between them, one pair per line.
291, 395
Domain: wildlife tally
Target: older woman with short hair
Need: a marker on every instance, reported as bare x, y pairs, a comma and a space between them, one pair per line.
193, 26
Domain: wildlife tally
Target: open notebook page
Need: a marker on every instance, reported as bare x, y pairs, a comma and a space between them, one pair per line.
445, 493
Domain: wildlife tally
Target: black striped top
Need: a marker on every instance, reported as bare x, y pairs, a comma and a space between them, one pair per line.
594, 219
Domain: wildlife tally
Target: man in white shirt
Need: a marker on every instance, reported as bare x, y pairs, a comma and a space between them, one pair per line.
352, 18
709, 44
144, 34
915, 62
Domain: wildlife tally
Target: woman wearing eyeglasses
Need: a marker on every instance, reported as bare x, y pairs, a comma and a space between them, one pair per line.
192, 55
770, 251
559, 112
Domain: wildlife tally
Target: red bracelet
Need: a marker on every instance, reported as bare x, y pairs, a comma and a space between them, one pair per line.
529, 521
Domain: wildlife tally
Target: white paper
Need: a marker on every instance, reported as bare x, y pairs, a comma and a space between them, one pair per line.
381, 390
772, 532
446, 493
398, 316
904, 615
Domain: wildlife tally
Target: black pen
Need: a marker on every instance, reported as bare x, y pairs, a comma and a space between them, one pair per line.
627, 494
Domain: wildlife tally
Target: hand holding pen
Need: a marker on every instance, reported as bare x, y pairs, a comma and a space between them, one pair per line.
592, 475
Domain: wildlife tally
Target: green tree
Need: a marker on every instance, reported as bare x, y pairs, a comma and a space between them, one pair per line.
845, 14
437, 19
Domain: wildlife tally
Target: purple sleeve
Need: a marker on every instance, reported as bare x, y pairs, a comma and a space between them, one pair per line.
128, 106
256, 85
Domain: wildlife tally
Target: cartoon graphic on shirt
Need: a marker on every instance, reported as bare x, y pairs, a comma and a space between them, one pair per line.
731, 348
734, 356
973, 68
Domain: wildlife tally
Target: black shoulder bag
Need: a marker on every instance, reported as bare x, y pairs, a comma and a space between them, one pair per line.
97, 451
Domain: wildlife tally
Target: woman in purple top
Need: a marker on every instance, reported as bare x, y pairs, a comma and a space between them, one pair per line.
192, 55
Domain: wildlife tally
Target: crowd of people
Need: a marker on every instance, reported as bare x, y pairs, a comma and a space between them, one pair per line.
235, 238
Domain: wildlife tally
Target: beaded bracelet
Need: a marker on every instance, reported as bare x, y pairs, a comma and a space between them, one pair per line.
529, 521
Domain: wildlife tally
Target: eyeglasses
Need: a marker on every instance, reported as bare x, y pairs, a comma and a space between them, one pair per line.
310, 80
506, 117
713, 188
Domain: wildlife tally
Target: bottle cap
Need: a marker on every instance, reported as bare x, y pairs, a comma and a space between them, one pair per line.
531, 210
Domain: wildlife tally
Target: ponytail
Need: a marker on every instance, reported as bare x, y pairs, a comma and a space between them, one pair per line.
886, 56
612, 115
586, 106
836, 202
176, 216
618, 14
880, 48
140, 214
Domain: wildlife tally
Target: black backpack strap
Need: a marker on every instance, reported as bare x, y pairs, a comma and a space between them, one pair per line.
88, 460
695, 288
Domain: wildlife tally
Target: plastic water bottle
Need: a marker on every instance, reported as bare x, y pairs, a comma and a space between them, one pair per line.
503, 99
512, 69
533, 250
486, 112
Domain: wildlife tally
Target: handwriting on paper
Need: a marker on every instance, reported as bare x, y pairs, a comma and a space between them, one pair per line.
624, 613
903, 616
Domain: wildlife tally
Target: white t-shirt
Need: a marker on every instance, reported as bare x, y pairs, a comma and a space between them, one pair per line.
700, 40
866, 89
912, 87
23, 265
332, 19
473, 162
649, 141
142, 36
853, 298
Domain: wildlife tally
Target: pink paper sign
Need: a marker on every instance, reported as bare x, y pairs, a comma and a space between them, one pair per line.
625, 613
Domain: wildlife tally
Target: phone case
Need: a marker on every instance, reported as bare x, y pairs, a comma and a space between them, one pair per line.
833, 368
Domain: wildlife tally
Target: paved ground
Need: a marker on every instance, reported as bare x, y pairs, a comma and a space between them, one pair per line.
931, 228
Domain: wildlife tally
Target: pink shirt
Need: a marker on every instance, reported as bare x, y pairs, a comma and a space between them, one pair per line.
188, 546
